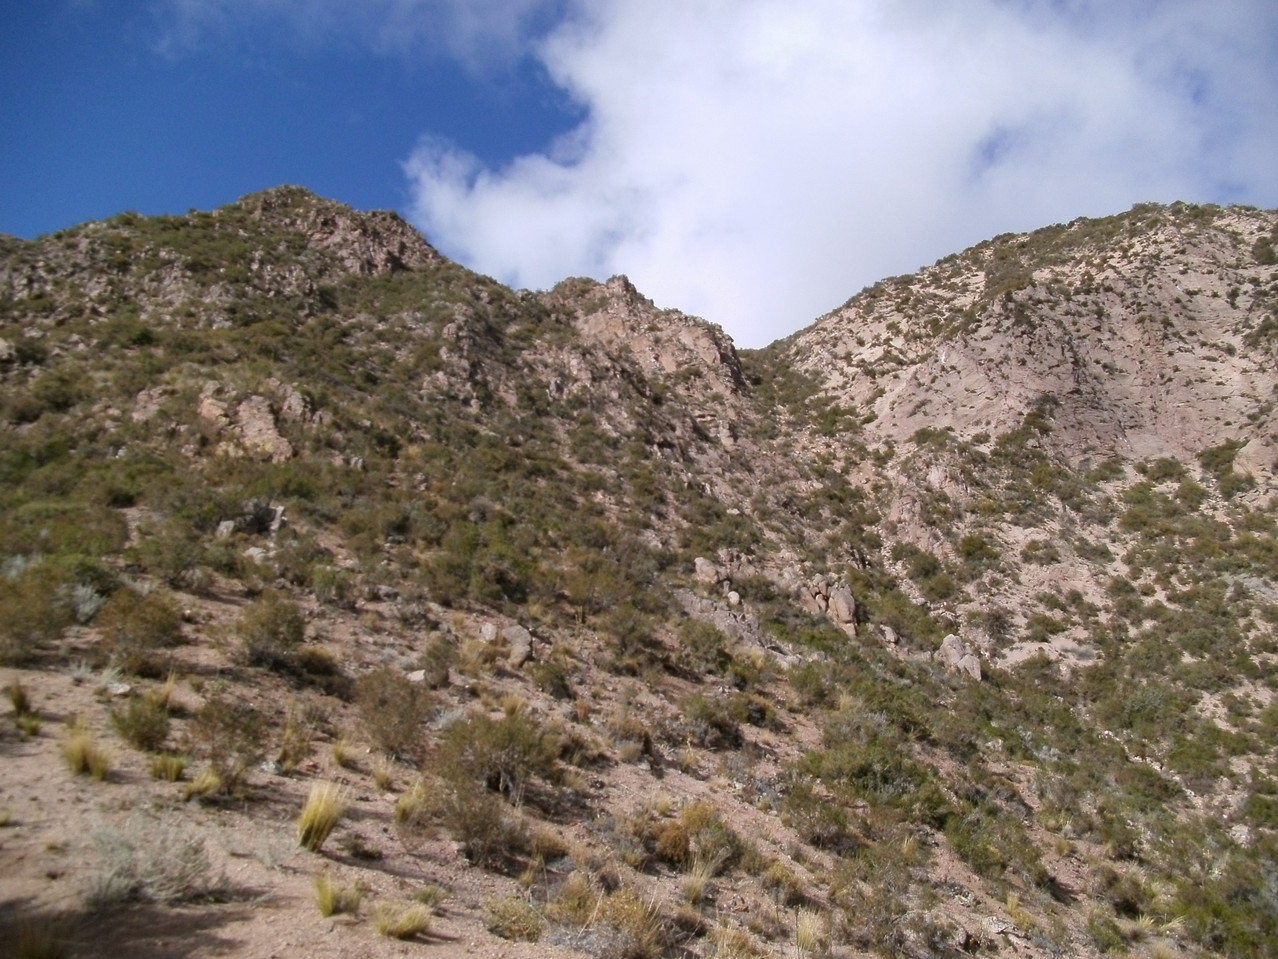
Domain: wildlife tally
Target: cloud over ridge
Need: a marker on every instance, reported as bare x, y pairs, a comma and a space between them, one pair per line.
758, 161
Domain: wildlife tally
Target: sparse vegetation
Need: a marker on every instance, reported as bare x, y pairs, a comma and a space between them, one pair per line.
324, 460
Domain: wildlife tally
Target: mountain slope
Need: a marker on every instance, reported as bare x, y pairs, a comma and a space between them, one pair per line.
943, 626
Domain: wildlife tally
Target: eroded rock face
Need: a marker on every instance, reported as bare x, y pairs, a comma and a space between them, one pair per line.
663, 342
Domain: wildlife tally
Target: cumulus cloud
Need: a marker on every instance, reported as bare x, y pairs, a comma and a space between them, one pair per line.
758, 161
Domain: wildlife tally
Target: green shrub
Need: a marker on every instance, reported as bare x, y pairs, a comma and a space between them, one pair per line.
33, 612
272, 629
135, 627
142, 722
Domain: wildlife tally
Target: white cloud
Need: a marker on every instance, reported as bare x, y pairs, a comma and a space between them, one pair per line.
758, 161
480, 33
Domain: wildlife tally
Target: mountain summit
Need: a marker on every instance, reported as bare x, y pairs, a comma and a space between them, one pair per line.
348, 596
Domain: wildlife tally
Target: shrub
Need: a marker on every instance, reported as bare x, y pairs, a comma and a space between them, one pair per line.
513, 917
231, 734
703, 648
143, 723
502, 754
135, 627
32, 613
479, 822
711, 723
321, 812
149, 861
393, 710
272, 629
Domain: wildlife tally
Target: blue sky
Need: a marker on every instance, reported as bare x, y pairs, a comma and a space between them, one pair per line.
755, 162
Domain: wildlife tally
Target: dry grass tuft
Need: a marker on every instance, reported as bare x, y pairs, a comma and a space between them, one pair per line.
168, 767
810, 935
206, 783
321, 813
83, 754
399, 921
333, 899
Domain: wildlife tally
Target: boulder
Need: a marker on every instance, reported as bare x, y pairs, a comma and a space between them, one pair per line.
706, 572
957, 658
520, 642
842, 606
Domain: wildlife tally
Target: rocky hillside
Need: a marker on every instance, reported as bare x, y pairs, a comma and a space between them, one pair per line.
943, 627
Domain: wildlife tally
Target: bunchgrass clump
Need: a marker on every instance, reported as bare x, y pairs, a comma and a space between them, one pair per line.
415, 807
322, 811
513, 917
431, 896
167, 767
810, 933
19, 697
206, 783
84, 755
401, 921
332, 899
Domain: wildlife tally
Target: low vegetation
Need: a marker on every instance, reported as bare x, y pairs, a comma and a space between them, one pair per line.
638, 653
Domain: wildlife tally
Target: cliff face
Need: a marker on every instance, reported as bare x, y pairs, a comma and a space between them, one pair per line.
1151, 331
943, 626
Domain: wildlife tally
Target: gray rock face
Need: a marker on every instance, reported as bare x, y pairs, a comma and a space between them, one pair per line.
520, 642
956, 657
704, 571
842, 606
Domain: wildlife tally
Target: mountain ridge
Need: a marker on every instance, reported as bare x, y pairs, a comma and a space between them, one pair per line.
940, 626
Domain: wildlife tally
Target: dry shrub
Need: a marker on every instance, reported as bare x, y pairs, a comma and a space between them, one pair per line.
231, 735
502, 754
150, 861
513, 917
272, 629
481, 822
394, 709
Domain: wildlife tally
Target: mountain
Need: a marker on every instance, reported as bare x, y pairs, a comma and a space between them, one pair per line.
941, 627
